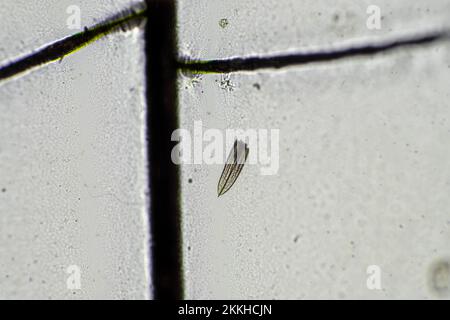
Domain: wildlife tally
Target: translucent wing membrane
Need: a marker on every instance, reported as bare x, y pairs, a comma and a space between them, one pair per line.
233, 167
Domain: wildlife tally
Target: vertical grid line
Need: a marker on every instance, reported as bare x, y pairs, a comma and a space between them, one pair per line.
162, 120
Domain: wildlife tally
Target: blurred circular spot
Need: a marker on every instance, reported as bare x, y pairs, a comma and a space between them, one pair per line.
439, 278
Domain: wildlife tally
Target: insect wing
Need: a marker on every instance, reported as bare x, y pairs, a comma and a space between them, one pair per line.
233, 167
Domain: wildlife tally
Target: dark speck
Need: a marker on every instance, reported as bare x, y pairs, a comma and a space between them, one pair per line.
257, 86
3, 189
190, 180
223, 23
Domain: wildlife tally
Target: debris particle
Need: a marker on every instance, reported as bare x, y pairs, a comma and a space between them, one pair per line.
223, 23
225, 83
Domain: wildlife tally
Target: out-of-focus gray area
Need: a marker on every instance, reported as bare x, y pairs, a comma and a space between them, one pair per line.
73, 205
210, 29
28, 25
359, 207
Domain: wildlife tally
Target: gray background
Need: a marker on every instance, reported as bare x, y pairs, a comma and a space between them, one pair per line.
364, 170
